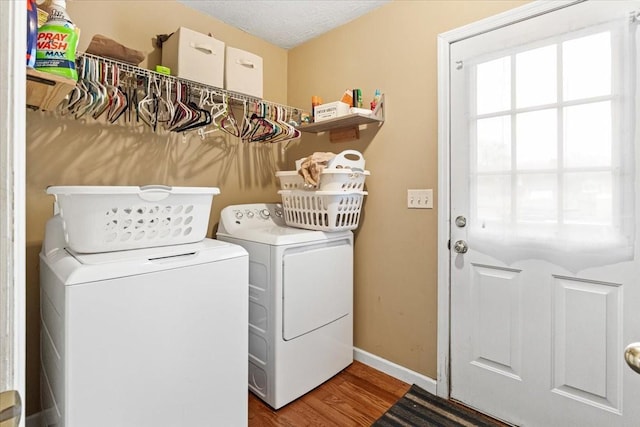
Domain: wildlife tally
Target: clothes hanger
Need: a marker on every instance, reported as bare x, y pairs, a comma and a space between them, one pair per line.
147, 106
207, 102
93, 92
165, 107
75, 95
228, 123
262, 126
99, 90
108, 100
290, 131
132, 90
201, 118
122, 99
247, 124
219, 110
182, 114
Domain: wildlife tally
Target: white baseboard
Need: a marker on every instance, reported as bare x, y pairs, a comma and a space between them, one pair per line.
32, 420
396, 371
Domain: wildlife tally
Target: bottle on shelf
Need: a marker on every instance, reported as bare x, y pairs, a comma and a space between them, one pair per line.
32, 32
376, 100
315, 101
57, 42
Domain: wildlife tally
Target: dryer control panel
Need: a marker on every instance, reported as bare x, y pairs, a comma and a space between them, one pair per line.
254, 215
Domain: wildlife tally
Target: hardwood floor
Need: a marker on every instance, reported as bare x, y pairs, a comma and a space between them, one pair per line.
357, 396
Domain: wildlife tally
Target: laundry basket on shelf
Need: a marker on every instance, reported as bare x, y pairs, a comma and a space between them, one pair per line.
113, 218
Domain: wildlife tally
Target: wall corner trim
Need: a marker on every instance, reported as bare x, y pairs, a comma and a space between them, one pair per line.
395, 370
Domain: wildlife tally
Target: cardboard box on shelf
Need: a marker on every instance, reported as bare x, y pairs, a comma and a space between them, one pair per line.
330, 110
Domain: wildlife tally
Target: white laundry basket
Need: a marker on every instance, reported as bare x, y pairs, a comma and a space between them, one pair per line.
330, 180
345, 172
322, 210
113, 218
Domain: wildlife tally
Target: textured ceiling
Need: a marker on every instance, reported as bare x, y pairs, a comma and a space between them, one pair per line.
285, 23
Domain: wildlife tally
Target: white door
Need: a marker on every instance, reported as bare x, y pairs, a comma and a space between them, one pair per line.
544, 199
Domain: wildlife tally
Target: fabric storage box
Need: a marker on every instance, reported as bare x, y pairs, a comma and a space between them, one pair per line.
194, 56
330, 111
113, 218
322, 210
243, 72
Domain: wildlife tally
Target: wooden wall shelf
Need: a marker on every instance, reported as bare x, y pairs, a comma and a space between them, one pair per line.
46, 90
348, 121
346, 127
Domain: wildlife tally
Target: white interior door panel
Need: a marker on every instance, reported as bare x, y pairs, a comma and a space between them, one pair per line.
544, 168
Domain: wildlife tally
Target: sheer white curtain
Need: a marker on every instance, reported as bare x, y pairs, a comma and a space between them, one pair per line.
552, 131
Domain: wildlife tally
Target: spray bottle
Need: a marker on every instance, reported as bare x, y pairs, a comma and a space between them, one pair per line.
376, 100
32, 32
57, 42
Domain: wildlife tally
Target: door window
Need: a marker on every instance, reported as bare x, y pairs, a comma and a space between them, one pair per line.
551, 151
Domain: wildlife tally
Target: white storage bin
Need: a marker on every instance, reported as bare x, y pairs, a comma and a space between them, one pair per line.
322, 210
114, 218
243, 72
194, 56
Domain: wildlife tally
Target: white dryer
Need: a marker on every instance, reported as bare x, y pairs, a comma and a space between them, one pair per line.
152, 337
300, 301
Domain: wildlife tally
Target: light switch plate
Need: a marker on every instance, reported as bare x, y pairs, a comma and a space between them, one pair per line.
420, 199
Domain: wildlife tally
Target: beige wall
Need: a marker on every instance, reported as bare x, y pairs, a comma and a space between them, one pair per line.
65, 151
393, 49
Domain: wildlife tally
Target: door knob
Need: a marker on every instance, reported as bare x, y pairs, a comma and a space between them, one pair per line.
632, 356
460, 247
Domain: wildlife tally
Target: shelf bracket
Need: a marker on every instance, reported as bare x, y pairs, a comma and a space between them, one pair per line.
344, 134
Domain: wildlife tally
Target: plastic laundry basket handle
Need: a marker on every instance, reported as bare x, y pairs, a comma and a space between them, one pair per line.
154, 193
342, 161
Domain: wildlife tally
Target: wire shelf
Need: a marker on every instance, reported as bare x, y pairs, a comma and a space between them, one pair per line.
234, 96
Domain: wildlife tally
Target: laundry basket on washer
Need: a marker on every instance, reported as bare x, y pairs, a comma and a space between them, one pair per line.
113, 218
322, 210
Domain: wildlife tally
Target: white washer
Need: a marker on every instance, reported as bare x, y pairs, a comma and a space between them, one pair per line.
300, 301
144, 338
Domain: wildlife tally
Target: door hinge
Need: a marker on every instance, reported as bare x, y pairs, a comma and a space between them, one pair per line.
449, 244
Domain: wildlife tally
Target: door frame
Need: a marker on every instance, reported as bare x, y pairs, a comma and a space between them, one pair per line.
445, 40
13, 31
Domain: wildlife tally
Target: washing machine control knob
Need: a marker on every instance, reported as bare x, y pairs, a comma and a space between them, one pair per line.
239, 215
265, 214
249, 214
